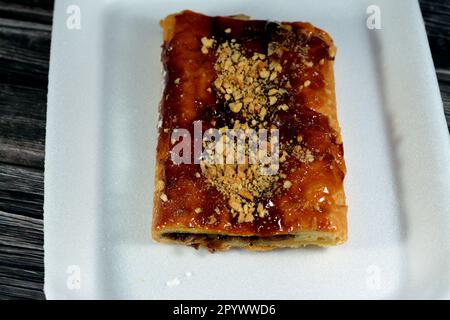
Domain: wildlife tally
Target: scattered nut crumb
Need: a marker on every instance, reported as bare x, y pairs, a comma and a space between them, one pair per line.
284, 107
235, 107
246, 194
261, 210
198, 210
302, 154
287, 184
264, 74
272, 100
272, 92
163, 197
159, 185
211, 219
235, 204
206, 44
332, 52
263, 113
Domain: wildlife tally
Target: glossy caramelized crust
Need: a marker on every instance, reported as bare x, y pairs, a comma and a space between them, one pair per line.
305, 203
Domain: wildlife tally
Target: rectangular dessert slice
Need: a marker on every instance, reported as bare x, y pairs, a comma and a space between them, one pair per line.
232, 74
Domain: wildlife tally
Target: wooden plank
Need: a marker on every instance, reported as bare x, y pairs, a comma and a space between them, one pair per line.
28, 10
24, 54
21, 190
24, 260
444, 85
22, 179
21, 257
25, 32
436, 16
15, 293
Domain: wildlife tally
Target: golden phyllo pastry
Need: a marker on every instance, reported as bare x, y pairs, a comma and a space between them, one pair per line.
249, 150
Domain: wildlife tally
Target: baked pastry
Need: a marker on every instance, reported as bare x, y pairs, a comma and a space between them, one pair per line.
232, 73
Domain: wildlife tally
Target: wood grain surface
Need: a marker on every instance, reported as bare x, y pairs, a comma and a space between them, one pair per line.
25, 33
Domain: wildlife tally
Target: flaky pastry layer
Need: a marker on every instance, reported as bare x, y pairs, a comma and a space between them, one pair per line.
305, 204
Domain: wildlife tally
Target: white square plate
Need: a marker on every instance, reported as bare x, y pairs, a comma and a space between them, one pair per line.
104, 90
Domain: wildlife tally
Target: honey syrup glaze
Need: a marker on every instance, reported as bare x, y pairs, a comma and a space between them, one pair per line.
188, 97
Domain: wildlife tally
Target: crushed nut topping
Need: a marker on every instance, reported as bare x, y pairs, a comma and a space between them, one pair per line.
252, 88
242, 184
302, 154
248, 84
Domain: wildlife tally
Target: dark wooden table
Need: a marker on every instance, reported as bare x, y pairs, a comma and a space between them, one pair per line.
25, 32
